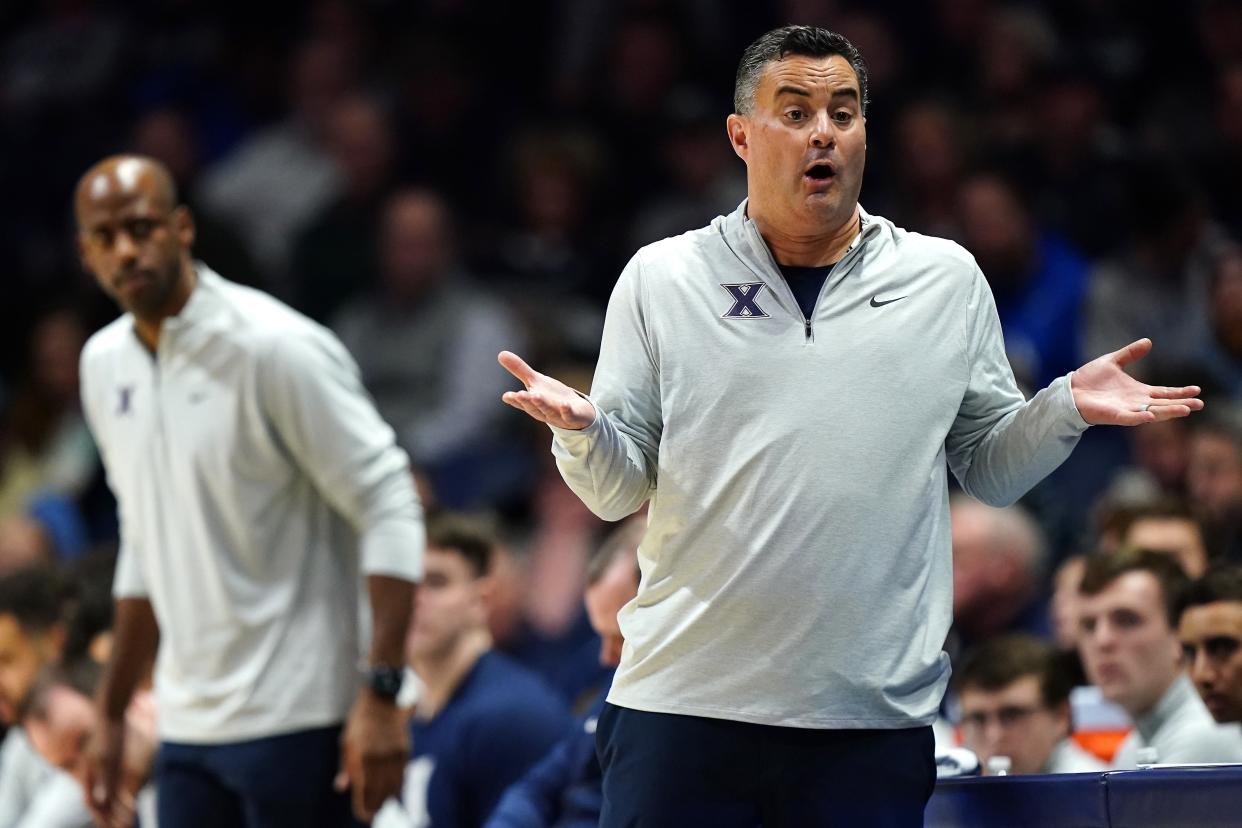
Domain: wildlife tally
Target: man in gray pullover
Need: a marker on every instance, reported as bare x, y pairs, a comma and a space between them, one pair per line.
785, 386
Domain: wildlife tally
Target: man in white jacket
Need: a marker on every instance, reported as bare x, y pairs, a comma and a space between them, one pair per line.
256, 487
785, 387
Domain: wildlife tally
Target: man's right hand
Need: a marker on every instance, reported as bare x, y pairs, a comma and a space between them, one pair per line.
101, 769
546, 399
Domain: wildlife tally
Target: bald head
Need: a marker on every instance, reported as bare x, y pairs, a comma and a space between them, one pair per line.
125, 177
135, 239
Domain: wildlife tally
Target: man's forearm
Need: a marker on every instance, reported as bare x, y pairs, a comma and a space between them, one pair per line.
392, 601
610, 470
136, 638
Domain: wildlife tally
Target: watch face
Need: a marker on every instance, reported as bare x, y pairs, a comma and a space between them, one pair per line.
386, 681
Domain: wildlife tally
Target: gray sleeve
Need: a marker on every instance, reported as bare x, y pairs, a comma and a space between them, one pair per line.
999, 446
611, 464
313, 397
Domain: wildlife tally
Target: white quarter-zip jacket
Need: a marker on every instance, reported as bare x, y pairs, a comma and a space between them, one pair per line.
255, 485
797, 565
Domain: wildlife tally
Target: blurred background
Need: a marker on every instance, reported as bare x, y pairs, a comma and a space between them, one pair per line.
440, 180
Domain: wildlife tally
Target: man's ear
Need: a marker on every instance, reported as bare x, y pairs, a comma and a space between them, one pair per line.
183, 225
738, 127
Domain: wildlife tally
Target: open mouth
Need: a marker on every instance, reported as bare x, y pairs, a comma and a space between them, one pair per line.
820, 171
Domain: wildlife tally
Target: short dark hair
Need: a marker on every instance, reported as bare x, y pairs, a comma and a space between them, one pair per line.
469, 536
809, 41
1103, 569
36, 596
1000, 661
1224, 421
90, 610
1220, 583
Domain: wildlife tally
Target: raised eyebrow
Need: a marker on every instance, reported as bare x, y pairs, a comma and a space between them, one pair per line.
844, 92
792, 90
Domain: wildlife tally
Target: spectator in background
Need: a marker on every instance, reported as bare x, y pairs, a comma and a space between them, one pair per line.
1065, 601
33, 793
23, 542
1170, 528
1013, 693
999, 561
646, 57
703, 177
931, 153
480, 721
1016, 45
425, 339
1157, 282
438, 86
1220, 352
1214, 480
335, 256
1072, 184
1211, 633
59, 715
1038, 280
1161, 454
547, 247
1131, 651
271, 185
565, 790
45, 445
1220, 162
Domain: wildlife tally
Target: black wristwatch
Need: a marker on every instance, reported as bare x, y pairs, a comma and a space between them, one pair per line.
384, 680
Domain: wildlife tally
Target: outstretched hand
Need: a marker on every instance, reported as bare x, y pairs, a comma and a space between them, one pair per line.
546, 399
1106, 395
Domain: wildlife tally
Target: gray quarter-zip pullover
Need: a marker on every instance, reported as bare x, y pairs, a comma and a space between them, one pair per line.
797, 565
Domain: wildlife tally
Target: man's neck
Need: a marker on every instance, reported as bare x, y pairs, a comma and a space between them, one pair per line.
812, 249
1153, 704
442, 674
148, 328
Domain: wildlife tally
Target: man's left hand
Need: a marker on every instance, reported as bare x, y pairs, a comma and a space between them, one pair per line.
374, 750
1106, 395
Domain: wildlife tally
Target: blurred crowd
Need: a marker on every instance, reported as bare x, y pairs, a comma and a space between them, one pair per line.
440, 180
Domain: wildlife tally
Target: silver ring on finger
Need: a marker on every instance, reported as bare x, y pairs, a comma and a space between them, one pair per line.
1143, 408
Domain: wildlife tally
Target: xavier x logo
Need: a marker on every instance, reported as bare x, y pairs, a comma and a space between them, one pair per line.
744, 305
124, 394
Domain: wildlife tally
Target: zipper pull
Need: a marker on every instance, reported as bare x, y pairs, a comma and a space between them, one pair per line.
809, 338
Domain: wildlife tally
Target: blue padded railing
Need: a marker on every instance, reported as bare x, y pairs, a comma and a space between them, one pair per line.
1173, 797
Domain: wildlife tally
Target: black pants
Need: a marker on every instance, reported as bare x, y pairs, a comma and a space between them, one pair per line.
278, 782
678, 771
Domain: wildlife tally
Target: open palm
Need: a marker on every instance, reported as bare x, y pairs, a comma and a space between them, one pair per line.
1106, 395
546, 399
